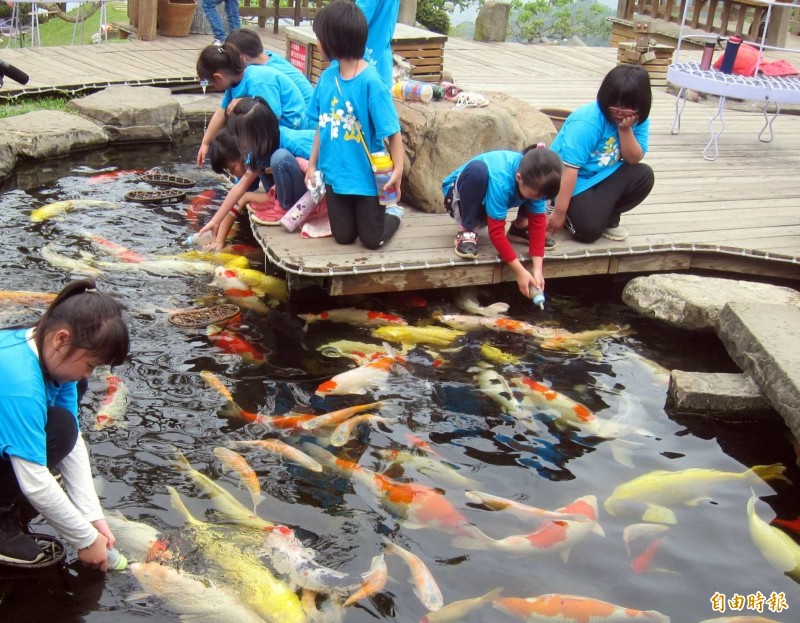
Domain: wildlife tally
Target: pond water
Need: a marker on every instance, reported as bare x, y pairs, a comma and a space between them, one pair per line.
170, 407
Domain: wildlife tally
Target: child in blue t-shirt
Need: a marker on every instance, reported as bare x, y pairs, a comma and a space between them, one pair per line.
481, 192
40, 371
355, 114
222, 67
602, 145
381, 21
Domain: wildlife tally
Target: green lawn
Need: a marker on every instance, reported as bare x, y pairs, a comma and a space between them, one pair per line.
58, 32
39, 103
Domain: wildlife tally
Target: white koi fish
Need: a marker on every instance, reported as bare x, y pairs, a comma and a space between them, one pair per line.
461, 322
290, 453
581, 341
136, 539
364, 378
519, 510
57, 208
57, 260
501, 325
466, 299
164, 268
494, 386
237, 291
374, 581
112, 248
574, 609
357, 317
425, 587
112, 409
457, 610
638, 531
359, 352
433, 468
780, 550
342, 433
246, 474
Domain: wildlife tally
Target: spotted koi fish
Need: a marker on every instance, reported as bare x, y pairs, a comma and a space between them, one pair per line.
573, 609
112, 409
358, 317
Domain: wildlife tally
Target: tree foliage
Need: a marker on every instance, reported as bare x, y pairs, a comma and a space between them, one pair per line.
558, 19
435, 16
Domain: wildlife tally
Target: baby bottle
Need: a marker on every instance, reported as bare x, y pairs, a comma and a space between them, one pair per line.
199, 240
116, 560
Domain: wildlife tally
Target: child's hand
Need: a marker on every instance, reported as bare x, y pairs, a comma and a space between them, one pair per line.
628, 122
201, 154
555, 222
232, 106
311, 171
96, 555
394, 182
102, 527
212, 226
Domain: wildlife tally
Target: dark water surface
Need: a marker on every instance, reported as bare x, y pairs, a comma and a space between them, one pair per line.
708, 551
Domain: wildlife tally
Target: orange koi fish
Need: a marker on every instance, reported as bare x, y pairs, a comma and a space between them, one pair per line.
418, 442
577, 342
792, 524
104, 178
198, 204
114, 249
643, 562
247, 475
425, 587
234, 344
214, 383
112, 409
362, 379
573, 609
336, 417
11, 298
271, 422
377, 576
290, 453
554, 536
637, 531
341, 435
358, 317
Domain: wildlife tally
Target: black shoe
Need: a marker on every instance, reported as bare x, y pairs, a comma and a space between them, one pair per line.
549, 243
15, 546
466, 244
520, 234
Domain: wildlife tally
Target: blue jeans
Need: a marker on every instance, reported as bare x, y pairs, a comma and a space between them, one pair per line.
231, 15
288, 178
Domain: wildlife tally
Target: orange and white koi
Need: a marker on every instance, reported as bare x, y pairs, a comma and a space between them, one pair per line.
457, 610
104, 178
501, 325
466, 299
112, 248
274, 288
270, 422
342, 433
290, 453
234, 344
335, 417
362, 379
358, 317
12, 298
358, 352
439, 337
425, 587
431, 467
247, 474
216, 384
577, 342
376, 579
519, 510
112, 409
418, 442
573, 609
637, 531
197, 205
558, 536
643, 562
237, 291
138, 540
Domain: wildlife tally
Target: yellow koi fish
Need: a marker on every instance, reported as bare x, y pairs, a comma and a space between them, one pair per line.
357, 317
574, 609
220, 258
780, 550
342, 433
237, 291
278, 447
458, 610
689, 486
498, 357
336, 417
578, 342
52, 210
247, 475
359, 352
216, 384
439, 337
57, 260
261, 283
425, 587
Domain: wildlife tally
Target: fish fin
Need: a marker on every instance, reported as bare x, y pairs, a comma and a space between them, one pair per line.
178, 505
565, 555
533, 425
621, 451
697, 500
138, 596
644, 432
598, 529
659, 514
497, 309
213, 329
475, 539
770, 472
257, 499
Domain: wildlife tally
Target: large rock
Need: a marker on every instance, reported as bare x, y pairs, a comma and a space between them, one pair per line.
198, 108
764, 341
492, 21
438, 139
133, 114
730, 397
8, 155
693, 302
50, 134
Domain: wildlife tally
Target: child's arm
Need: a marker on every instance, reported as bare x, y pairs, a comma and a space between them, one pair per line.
214, 126
524, 279
569, 177
228, 208
398, 153
312, 162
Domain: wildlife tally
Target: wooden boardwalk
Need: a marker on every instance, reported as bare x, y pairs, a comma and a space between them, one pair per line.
739, 214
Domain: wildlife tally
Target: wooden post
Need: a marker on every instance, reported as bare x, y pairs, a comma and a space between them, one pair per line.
148, 18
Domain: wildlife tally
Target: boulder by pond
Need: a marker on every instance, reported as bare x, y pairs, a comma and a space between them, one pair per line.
728, 397
48, 134
694, 302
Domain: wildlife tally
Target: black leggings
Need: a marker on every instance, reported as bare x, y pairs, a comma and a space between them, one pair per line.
598, 208
359, 216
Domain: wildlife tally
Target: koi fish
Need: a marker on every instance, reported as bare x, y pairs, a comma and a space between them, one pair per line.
138, 540
192, 595
643, 562
237, 291
214, 383
792, 524
270, 422
365, 378
272, 599
494, 386
198, 204
573, 609
497, 356
457, 610
519, 510
336, 417
418, 442
234, 344
466, 299
247, 475
639, 530
112, 248
500, 325
162, 267
220, 498
220, 258
12, 298
357, 317
578, 342
112, 409
461, 322
439, 337
57, 208
556, 536
425, 587
290, 453
103, 178
780, 550
261, 283
359, 352
689, 486
378, 575
435, 469
57, 260
342, 433
291, 558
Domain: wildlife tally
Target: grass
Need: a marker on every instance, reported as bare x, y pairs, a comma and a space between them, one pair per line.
39, 103
56, 31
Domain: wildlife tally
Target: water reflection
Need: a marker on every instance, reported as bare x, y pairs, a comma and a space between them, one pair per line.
170, 407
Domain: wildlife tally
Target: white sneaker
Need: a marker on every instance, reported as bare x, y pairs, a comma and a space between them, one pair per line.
218, 43
616, 233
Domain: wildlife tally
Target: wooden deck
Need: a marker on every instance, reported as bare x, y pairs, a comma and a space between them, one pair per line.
739, 214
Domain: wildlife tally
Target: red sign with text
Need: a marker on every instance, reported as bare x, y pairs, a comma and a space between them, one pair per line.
298, 54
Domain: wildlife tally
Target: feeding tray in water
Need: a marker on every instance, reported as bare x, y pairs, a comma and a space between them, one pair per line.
156, 196
54, 553
167, 179
204, 316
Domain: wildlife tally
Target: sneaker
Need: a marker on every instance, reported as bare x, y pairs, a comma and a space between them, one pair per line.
549, 243
467, 244
396, 210
218, 43
616, 233
269, 213
15, 546
520, 234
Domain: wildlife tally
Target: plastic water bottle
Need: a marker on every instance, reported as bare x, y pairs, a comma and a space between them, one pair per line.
299, 212
199, 240
537, 296
116, 560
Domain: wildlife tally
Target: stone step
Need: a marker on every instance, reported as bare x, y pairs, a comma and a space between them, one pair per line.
731, 398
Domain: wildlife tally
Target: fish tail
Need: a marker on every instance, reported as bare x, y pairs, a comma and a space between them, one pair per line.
232, 411
497, 309
178, 505
472, 538
769, 472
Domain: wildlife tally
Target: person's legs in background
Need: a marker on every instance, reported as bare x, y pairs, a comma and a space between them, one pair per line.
214, 20
232, 15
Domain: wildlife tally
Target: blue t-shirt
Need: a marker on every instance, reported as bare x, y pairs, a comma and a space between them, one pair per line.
381, 21
277, 62
502, 192
590, 142
277, 90
297, 142
338, 104
24, 399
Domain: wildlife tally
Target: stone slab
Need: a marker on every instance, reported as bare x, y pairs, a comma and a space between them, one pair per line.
729, 397
50, 134
694, 302
764, 341
198, 108
8, 155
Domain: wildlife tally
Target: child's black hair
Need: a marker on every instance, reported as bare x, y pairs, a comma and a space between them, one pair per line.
341, 29
223, 150
93, 319
246, 41
540, 168
627, 86
219, 59
256, 129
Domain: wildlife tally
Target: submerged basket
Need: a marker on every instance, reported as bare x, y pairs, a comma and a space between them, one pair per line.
156, 196
54, 553
167, 179
204, 316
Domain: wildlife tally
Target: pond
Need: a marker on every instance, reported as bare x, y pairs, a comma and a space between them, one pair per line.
170, 408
